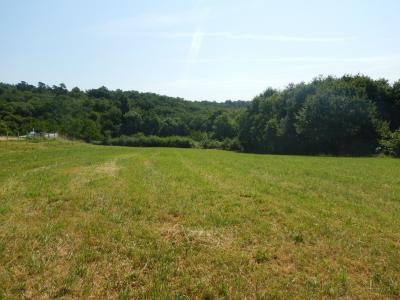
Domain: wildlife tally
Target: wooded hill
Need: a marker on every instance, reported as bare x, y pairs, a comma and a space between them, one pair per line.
100, 114
353, 115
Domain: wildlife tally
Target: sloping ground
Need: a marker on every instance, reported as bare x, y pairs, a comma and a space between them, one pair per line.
83, 221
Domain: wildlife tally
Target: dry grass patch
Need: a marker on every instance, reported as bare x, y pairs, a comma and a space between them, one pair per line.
109, 168
179, 234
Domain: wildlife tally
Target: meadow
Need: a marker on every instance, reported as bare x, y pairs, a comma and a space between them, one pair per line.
87, 221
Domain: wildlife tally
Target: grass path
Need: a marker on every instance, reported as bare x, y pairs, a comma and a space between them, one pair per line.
84, 221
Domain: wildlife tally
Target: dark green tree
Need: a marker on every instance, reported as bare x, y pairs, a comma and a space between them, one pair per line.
224, 127
132, 122
337, 124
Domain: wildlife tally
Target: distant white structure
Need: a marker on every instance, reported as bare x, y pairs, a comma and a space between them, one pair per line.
31, 134
49, 135
46, 135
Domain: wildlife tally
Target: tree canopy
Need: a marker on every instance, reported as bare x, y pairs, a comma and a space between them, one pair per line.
97, 114
347, 115
350, 115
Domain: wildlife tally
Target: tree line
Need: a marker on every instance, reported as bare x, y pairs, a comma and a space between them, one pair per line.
350, 115
104, 115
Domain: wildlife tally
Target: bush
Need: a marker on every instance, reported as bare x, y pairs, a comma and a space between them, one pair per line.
207, 143
226, 144
391, 144
141, 140
232, 145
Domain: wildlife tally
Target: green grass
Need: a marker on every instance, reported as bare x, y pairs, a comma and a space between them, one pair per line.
85, 221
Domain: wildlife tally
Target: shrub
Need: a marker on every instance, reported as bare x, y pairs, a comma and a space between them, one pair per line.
226, 144
141, 140
391, 144
210, 144
232, 144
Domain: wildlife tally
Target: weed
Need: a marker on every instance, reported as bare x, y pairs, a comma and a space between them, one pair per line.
298, 238
261, 256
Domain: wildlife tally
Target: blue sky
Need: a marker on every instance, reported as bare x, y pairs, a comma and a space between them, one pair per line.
214, 50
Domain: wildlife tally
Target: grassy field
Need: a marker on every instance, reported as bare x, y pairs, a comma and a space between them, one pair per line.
85, 221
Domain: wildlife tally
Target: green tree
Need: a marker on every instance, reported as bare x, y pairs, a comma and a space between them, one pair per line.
111, 120
91, 131
4, 130
224, 127
336, 124
132, 122
151, 124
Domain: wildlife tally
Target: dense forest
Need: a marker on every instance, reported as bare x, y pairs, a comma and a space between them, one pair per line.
351, 115
114, 116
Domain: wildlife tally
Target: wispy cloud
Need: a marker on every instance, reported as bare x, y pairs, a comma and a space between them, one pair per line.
197, 38
195, 46
154, 26
258, 37
303, 59
143, 24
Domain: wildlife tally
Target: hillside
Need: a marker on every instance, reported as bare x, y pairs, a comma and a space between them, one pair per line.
78, 220
100, 113
348, 115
